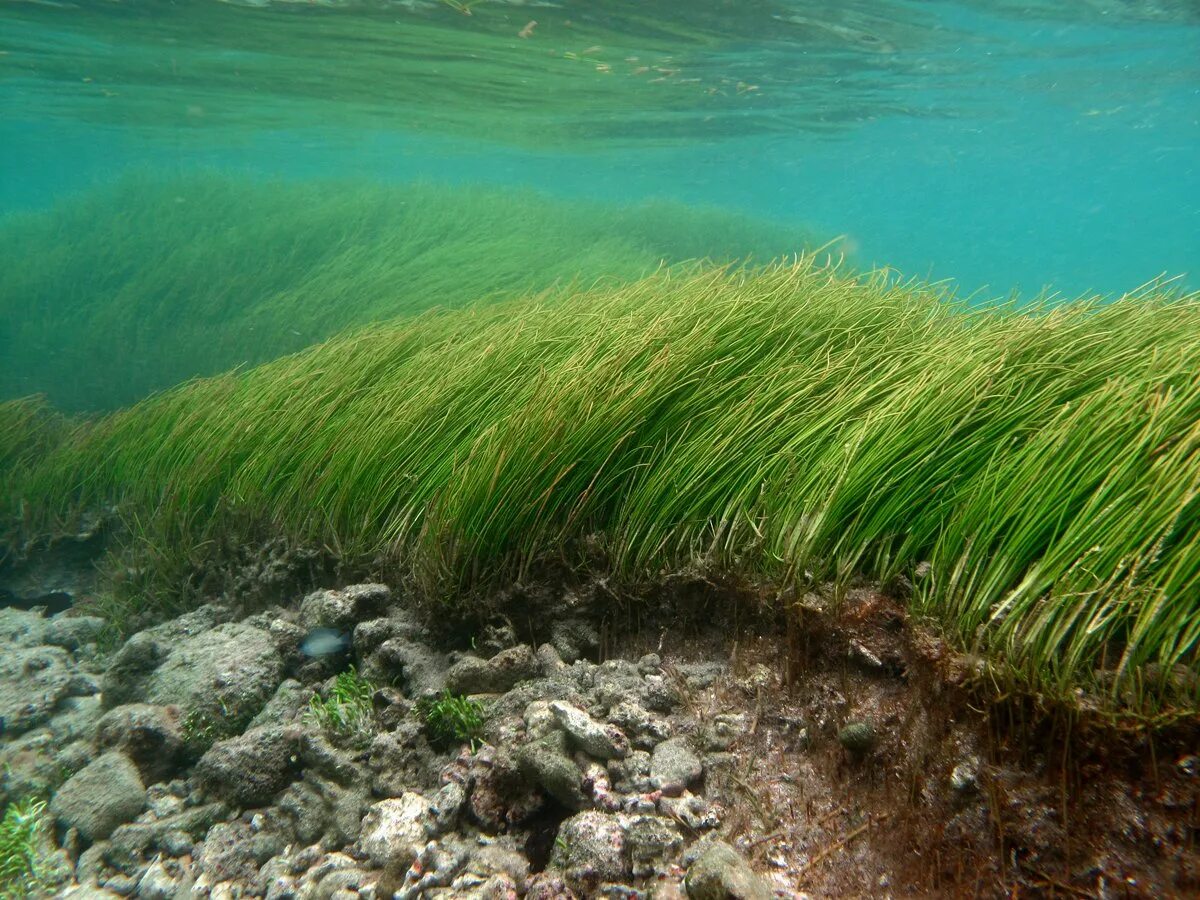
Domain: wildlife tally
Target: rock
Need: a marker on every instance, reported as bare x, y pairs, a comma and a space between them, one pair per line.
499, 857
548, 886
289, 701
32, 683
858, 737
549, 660
472, 675
250, 769
447, 805
539, 719
644, 728
652, 842
396, 829
420, 669
590, 848
574, 638
694, 812
546, 764
723, 730
345, 608
720, 873
631, 775
75, 718
21, 627
73, 632
234, 851
592, 737
88, 892
504, 795
163, 880
701, 675
227, 672
674, 766
147, 735
106, 793
965, 777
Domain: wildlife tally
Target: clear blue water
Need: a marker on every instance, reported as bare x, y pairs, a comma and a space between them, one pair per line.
1008, 146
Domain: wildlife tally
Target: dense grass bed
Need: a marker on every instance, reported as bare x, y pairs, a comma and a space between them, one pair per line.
790, 422
139, 285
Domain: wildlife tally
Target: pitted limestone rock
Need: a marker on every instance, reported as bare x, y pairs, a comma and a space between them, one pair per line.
594, 738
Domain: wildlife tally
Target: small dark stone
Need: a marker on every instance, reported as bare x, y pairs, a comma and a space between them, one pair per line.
858, 737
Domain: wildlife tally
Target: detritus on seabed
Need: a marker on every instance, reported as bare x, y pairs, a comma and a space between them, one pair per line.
662, 756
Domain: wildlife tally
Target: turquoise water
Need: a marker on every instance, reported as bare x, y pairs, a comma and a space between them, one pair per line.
1009, 146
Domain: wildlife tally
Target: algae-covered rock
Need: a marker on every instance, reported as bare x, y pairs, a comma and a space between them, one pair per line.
674, 766
33, 680
545, 763
227, 672
106, 793
250, 769
858, 737
590, 848
603, 741
500, 673
720, 873
345, 608
148, 735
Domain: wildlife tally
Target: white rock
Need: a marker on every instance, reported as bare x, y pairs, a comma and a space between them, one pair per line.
396, 827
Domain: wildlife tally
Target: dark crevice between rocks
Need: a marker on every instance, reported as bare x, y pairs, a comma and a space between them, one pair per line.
543, 829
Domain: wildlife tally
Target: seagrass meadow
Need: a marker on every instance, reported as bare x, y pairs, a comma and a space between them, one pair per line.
136, 286
788, 422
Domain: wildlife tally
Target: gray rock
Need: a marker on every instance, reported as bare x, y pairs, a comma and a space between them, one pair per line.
720, 873
228, 672
289, 701
447, 806
499, 857
549, 660
694, 812
420, 669
250, 769
163, 880
147, 735
548, 886
590, 848
653, 843
643, 727
124, 885
234, 851
73, 632
546, 764
21, 628
105, 794
33, 681
396, 828
574, 638
472, 675
593, 738
631, 775
75, 718
674, 766
88, 892
345, 608
858, 737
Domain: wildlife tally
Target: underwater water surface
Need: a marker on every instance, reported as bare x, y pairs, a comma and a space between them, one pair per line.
1007, 145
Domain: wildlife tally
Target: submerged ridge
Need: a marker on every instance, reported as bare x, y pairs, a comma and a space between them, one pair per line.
789, 422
